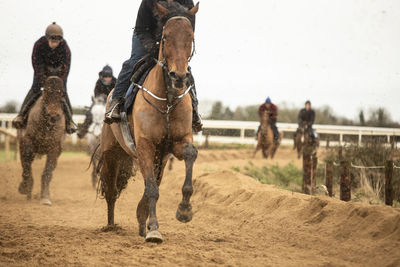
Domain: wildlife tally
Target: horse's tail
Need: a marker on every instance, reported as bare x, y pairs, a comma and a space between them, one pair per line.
92, 157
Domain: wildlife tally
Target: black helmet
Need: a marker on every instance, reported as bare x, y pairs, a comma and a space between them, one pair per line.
106, 71
308, 102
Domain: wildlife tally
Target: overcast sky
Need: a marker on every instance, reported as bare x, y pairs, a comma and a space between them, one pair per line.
342, 53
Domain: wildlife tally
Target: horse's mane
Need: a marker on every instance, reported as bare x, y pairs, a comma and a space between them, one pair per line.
175, 9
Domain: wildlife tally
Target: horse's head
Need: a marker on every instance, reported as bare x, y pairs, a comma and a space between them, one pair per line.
176, 42
53, 91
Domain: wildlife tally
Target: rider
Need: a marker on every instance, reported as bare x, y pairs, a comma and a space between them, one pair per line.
145, 40
50, 51
306, 119
272, 109
104, 85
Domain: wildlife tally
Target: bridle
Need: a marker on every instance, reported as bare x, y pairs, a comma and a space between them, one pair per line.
171, 105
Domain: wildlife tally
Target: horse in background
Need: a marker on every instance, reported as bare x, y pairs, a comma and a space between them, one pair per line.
43, 135
265, 137
94, 132
160, 123
303, 142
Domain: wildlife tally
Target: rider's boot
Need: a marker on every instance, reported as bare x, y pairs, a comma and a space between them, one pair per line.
83, 128
113, 111
70, 126
197, 126
30, 99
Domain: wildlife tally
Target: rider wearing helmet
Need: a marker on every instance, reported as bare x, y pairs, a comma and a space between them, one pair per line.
104, 85
272, 109
50, 51
145, 40
306, 119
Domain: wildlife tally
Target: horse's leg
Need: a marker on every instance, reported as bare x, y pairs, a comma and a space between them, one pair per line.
27, 156
147, 205
188, 152
51, 163
142, 212
108, 175
299, 145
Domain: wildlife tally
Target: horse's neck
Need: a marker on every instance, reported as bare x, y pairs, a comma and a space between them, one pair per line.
264, 121
155, 81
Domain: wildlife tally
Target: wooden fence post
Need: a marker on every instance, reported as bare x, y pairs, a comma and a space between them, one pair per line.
7, 147
314, 163
388, 183
345, 189
307, 173
329, 176
327, 142
206, 143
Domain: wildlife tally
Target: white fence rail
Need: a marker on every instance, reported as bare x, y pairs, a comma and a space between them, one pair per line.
246, 128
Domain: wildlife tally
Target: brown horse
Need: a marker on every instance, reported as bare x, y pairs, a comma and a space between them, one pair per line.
303, 142
265, 137
160, 122
43, 135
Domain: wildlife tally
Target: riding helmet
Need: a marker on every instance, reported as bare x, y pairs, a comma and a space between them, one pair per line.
268, 100
54, 30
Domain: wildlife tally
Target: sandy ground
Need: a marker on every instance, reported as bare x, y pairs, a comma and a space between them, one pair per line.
237, 221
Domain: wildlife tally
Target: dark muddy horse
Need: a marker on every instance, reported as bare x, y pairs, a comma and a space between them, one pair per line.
43, 135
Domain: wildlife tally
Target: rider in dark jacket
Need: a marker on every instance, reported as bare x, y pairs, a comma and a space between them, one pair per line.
273, 115
145, 40
50, 51
306, 119
104, 85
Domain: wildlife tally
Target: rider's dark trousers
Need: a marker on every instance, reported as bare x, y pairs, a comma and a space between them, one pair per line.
123, 81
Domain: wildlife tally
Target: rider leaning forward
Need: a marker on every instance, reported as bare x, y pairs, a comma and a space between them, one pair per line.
49, 52
105, 83
272, 110
306, 119
145, 41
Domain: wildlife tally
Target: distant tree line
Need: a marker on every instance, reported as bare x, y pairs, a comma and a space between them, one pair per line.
378, 117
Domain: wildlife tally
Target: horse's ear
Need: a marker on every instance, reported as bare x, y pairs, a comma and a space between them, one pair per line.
161, 11
194, 9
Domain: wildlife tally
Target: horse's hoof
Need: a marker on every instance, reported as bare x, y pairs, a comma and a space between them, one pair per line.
154, 237
142, 230
45, 201
111, 228
23, 188
184, 213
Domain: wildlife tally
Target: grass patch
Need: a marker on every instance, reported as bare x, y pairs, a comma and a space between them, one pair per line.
3, 156
287, 177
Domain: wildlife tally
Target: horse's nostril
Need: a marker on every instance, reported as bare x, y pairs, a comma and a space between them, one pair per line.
173, 75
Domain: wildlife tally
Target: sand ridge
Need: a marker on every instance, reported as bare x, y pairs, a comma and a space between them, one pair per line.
237, 221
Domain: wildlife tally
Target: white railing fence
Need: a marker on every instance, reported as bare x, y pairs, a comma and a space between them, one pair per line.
245, 131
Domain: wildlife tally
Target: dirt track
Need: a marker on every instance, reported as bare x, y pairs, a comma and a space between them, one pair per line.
237, 222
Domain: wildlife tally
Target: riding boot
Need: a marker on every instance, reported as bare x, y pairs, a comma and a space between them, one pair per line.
197, 126
276, 132
83, 128
19, 122
113, 112
70, 126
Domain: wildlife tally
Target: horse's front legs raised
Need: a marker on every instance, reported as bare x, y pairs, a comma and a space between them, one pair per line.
27, 156
51, 164
184, 212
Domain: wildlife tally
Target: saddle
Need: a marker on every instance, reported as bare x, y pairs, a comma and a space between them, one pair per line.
140, 72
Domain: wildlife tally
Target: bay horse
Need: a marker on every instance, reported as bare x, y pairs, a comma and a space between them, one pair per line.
94, 132
303, 142
43, 135
265, 137
160, 123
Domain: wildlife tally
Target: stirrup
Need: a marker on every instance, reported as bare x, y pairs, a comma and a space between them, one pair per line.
110, 117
